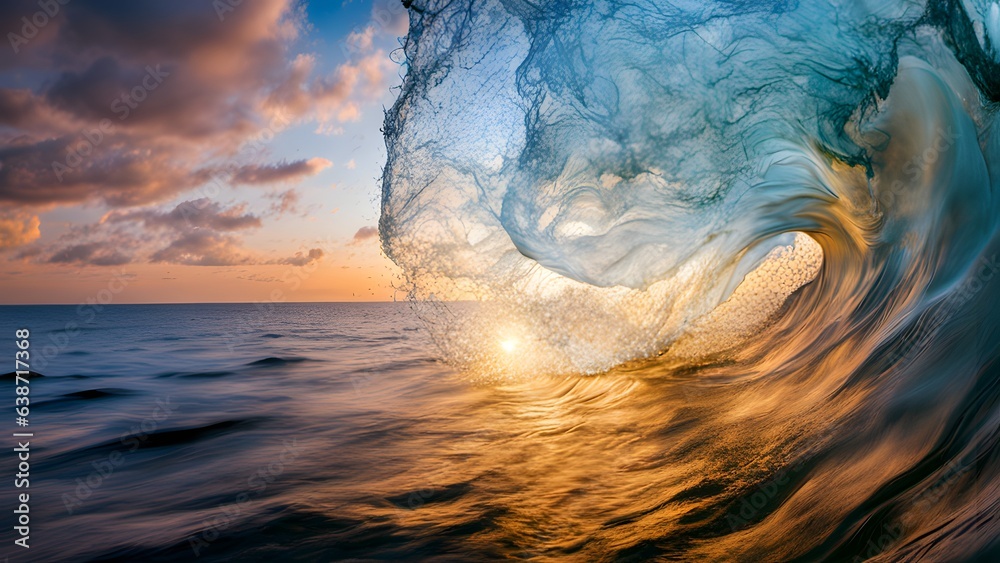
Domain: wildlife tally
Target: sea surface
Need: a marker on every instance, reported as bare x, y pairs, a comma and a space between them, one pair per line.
760, 240
240, 432
322, 432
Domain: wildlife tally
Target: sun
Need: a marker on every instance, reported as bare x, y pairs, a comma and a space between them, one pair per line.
509, 345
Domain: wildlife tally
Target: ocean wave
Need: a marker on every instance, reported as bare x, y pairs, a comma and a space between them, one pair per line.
793, 200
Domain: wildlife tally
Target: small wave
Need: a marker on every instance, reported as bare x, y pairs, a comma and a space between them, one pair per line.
158, 439
276, 361
396, 365
98, 393
196, 374
12, 375
85, 395
415, 499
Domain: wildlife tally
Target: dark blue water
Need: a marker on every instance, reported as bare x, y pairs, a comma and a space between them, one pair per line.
245, 428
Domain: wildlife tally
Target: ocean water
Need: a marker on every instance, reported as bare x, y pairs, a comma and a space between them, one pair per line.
695, 281
756, 242
286, 431
321, 432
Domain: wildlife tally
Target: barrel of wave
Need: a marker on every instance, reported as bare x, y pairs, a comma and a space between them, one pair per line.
554, 325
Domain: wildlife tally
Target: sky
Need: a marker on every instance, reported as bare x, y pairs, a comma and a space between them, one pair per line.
195, 151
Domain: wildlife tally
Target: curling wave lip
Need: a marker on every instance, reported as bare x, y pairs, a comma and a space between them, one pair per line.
792, 200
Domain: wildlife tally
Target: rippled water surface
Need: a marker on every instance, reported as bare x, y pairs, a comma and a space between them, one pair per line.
736, 272
768, 230
328, 432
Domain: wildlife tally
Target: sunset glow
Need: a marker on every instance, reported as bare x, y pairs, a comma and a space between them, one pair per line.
188, 168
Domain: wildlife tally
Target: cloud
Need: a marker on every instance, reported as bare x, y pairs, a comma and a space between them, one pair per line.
90, 244
136, 103
21, 109
303, 259
280, 172
192, 232
285, 202
203, 248
360, 41
132, 105
364, 233
91, 253
197, 232
337, 98
259, 278
390, 16
28, 252
18, 229
70, 169
192, 214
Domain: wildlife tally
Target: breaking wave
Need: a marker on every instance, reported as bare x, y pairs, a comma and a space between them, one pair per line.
797, 201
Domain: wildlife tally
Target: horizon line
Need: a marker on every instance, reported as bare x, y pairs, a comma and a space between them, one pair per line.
201, 303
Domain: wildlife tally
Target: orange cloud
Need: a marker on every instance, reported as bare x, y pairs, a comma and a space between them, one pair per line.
18, 229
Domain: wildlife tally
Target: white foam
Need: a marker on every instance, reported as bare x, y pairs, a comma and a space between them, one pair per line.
762, 292
552, 324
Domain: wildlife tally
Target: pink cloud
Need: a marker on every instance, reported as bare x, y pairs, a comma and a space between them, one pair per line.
280, 172
364, 233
